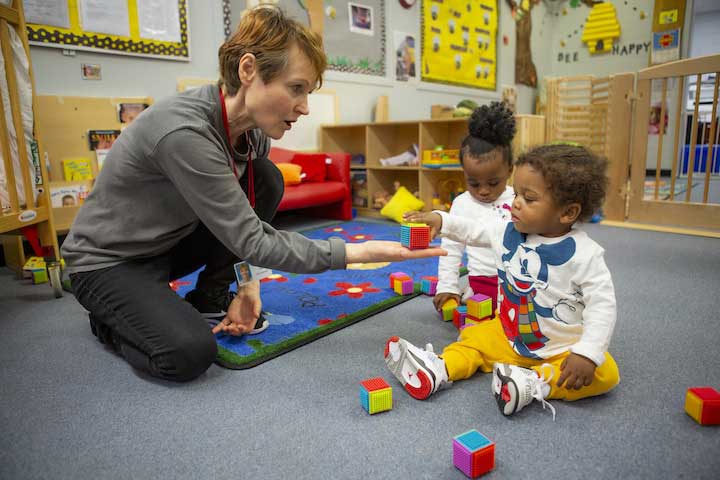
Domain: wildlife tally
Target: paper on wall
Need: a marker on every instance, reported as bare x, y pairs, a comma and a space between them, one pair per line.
105, 16
47, 12
159, 20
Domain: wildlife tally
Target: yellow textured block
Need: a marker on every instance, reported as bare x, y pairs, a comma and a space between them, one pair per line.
380, 400
525, 328
447, 310
694, 406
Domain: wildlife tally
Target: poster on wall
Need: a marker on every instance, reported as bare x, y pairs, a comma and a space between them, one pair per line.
666, 46
459, 42
405, 68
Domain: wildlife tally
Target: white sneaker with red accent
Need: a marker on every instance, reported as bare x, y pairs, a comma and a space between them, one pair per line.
421, 372
515, 387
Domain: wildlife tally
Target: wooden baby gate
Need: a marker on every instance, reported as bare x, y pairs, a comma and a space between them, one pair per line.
611, 116
32, 215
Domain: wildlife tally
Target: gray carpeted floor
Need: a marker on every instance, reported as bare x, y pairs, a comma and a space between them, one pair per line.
71, 409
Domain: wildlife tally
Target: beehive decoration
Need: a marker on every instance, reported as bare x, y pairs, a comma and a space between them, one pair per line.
601, 29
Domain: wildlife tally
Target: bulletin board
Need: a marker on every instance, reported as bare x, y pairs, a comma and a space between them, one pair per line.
150, 29
459, 41
351, 45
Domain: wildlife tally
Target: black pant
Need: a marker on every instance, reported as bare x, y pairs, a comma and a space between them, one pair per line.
133, 308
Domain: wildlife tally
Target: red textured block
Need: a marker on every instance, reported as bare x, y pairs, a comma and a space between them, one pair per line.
703, 404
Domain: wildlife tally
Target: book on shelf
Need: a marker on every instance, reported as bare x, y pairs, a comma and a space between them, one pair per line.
68, 195
75, 169
102, 139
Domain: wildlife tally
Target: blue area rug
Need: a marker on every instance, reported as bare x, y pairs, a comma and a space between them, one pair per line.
302, 308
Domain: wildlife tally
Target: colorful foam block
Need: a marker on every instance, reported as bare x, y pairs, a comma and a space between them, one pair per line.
39, 276
401, 283
473, 453
703, 405
397, 276
375, 395
446, 311
459, 315
479, 307
415, 236
428, 285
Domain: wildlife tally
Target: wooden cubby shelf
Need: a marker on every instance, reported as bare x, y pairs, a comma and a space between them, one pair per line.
386, 139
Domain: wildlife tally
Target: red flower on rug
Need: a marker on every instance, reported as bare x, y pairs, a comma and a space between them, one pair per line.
275, 277
338, 230
359, 237
353, 291
310, 280
325, 321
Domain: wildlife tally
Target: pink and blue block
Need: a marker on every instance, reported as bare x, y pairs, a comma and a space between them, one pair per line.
375, 395
401, 283
459, 315
703, 405
428, 285
473, 453
415, 236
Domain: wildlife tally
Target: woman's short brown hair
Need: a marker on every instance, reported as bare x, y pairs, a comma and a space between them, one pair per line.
268, 33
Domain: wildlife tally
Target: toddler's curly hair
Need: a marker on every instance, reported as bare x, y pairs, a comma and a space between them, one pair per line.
572, 174
490, 127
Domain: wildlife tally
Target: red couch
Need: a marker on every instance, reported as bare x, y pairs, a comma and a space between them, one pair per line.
329, 199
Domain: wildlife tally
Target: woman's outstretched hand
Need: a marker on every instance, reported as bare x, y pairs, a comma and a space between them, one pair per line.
386, 251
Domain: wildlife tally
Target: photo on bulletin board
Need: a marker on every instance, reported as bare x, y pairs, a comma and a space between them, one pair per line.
157, 28
459, 43
354, 38
361, 19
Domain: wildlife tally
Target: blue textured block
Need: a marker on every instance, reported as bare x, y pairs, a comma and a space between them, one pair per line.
473, 440
364, 399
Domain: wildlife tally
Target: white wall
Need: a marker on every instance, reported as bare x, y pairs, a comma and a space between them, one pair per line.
574, 58
57, 74
123, 76
705, 35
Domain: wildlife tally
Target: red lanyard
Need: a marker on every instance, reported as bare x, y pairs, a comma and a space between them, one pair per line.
251, 178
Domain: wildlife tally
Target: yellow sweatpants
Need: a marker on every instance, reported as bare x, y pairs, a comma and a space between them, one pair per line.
482, 345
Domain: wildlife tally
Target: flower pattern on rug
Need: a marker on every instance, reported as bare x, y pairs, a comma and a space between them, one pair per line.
353, 291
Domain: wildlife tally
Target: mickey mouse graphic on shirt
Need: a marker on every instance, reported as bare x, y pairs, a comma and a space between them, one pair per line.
524, 273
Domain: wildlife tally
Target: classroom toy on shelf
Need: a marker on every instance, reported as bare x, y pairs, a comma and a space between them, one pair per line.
375, 395
408, 157
438, 204
35, 269
428, 285
447, 309
441, 158
459, 315
401, 283
415, 236
479, 308
703, 405
473, 453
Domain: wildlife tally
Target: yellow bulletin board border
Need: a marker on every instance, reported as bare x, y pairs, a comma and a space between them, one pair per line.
459, 42
77, 39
